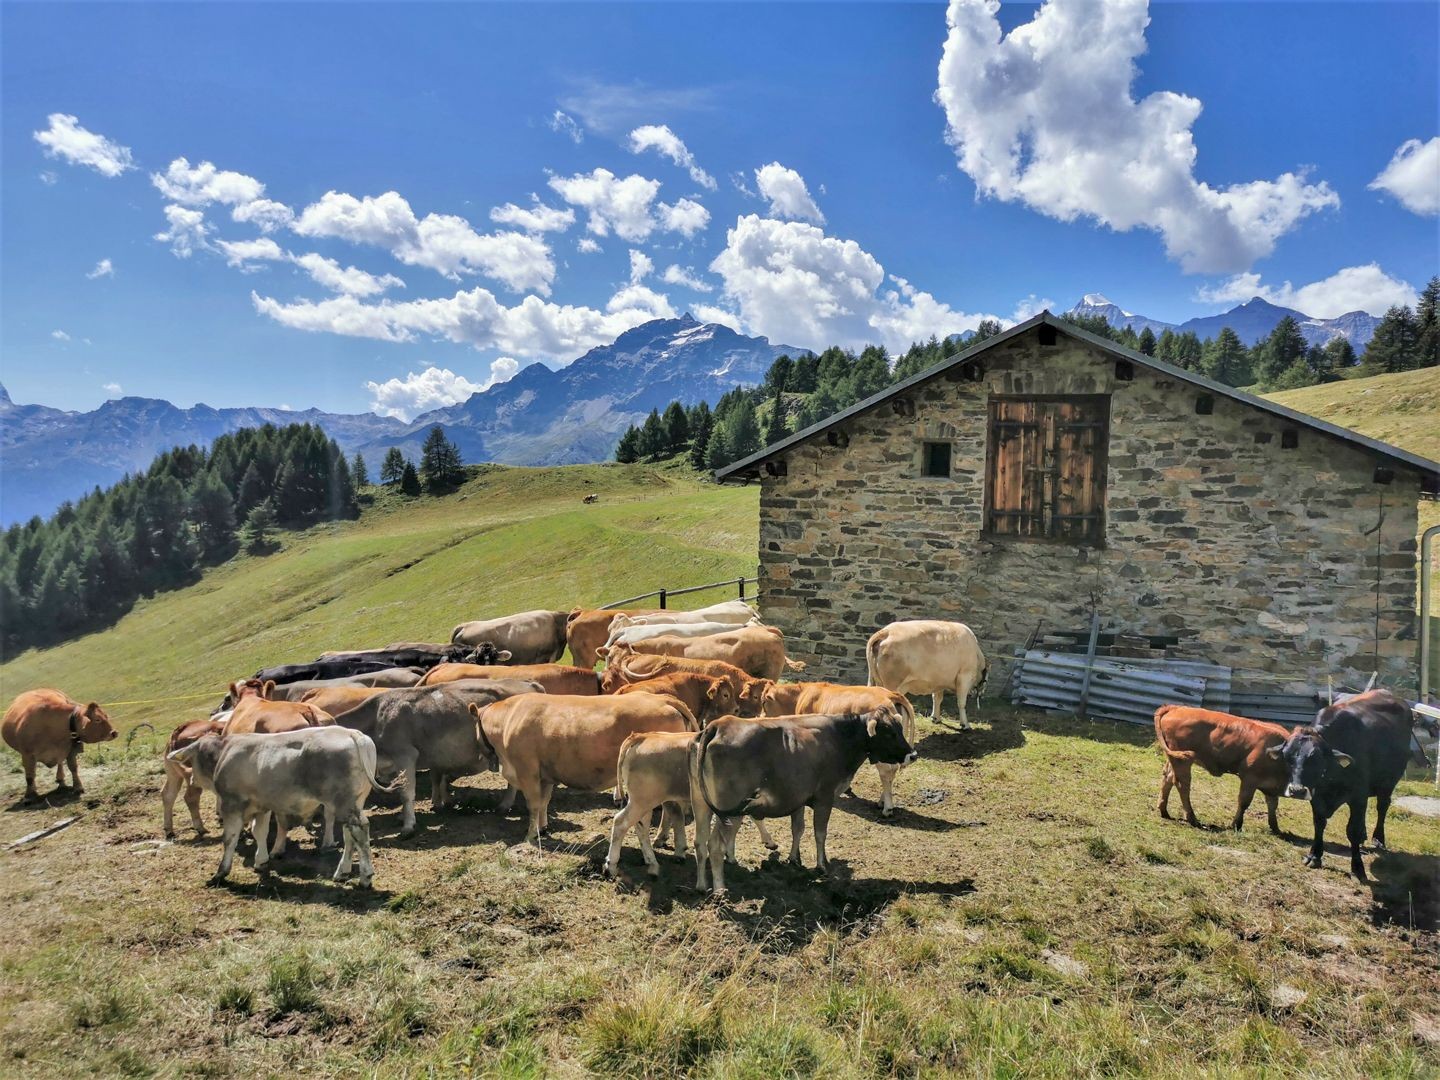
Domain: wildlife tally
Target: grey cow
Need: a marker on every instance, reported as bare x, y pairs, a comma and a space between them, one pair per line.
430, 727
289, 776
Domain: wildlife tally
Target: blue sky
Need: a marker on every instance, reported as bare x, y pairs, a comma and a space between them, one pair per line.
794, 164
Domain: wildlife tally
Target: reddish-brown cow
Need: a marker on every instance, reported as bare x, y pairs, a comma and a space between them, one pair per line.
1219, 743
46, 726
706, 696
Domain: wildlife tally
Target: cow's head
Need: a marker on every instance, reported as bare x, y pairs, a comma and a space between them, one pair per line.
751, 699
249, 688
91, 724
979, 688
719, 699
1308, 761
486, 654
887, 742
200, 758
489, 757
611, 679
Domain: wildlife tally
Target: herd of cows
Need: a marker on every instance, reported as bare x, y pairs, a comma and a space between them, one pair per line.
687, 717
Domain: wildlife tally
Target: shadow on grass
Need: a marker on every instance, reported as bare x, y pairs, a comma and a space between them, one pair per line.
1405, 890
999, 730
50, 800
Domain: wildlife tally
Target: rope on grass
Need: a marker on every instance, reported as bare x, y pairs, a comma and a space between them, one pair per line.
158, 700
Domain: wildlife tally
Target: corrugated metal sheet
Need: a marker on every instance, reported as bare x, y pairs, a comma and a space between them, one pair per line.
1262, 704
1119, 690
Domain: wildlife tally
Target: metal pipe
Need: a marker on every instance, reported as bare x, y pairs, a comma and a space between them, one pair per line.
1426, 544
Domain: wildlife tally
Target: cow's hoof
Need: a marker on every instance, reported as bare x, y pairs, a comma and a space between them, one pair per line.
772, 846
1378, 845
653, 871
170, 834
216, 880
364, 883
1312, 861
405, 834
887, 812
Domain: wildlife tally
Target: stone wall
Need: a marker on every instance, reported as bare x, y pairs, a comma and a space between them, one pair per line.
1264, 558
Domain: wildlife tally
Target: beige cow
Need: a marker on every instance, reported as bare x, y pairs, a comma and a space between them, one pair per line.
757, 650
927, 656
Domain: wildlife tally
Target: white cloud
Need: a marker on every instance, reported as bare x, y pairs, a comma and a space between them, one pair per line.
1045, 115
797, 286
538, 218
244, 254
641, 266
586, 246
1030, 307
1354, 288
350, 280
66, 139
114, 389
531, 328
440, 242
785, 189
627, 206
420, 391
49, 178
502, 370
1413, 176
266, 214
103, 268
737, 180
566, 126
712, 314
686, 276
204, 184
660, 138
187, 232
59, 335
614, 108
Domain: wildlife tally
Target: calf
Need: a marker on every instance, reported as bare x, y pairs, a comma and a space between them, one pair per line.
541, 740
1355, 750
178, 776
776, 767
624, 667
1219, 743
812, 698
928, 656
706, 696
554, 678
256, 714
47, 727
289, 775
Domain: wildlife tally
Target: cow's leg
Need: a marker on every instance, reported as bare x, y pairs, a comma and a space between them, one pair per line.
961, 693
624, 821
1247, 793
1182, 783
262, 840
765, 837
646, 850
1167, 783
173, 783
534, 802
438, 790
797, 830
361, 828
936, 700
719, 837
1382, 807
546, 792
327, 833
28, 760
407, 792
342, 869
507, 801
822, 822
1355, 833
232, 820
887, 788
1272, 807
702, 841
282, 836
192, 804
60, 774
1317, 846
73, 761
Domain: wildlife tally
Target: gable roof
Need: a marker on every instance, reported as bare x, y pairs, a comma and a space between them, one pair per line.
749, 467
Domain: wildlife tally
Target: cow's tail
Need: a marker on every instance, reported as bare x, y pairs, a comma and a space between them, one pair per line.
691, 724
697, 777
794, 665
1173, 755
366, 754
455, 635
622, 769
871, 658
907, 716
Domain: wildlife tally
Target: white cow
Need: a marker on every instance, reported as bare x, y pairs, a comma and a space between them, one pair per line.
629, 635
737, 612
927, 656
289, 775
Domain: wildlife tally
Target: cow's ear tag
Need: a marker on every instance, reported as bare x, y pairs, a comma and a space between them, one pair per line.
1343, 760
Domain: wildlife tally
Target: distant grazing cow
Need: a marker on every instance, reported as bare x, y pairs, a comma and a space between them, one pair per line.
757, 650
591, 498
1219, 743
776, 767
46, 726
1355, 750
542, 740
290, 776
255, 713
927, 656
421, 728
531, 637
627, 667
813, 698
178, 775
587, 630
708, 697
555, 678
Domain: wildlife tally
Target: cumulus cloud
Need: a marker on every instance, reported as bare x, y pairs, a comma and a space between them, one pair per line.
103, 268
627, 207
203, 184
441, 242
786, 192
1045, 115
1354, 288
586, 246
793, 284
245, 254
187, 231
66, 139
537, 218
349, 280
49, 178
640, 266
1030, 307
531, 328
711, 314
59, 335
660, 138
566, 125
686, 276
265, 214
1413, 176
420, 391
114, 389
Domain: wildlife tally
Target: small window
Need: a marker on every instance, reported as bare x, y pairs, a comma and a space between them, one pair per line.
1204, 405
1289, 439
935, 459
1045, 473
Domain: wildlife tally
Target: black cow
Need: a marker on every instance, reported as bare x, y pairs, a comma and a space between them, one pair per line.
1355, 750
484, 653
319, 669
777, 766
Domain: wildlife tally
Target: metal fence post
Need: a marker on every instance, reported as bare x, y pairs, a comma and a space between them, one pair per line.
741, 582
662, 599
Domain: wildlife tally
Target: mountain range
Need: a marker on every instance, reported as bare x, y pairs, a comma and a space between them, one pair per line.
1252, 320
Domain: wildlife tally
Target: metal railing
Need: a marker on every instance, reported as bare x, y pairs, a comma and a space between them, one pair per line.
664, 594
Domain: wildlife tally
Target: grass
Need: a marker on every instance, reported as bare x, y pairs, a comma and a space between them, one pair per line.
1038, 920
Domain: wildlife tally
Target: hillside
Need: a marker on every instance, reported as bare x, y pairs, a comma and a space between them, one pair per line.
1403, 409
508, 540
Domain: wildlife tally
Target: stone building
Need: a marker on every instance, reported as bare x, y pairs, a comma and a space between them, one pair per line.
1048, 472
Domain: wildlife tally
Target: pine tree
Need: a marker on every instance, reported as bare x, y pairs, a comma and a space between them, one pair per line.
702, 423
1284, 346
409, 480
440, 461
777, 429
1427, 315
627, 450
718, 453
652, 437
393, 467
1340, 354
1147, 341
253, 490
258, 525
213, 512
778, 377
1395, 344
744, 434
988, 328
677, 428
1225, 359
359, 474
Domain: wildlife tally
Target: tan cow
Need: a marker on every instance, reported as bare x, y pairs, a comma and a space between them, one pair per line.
706, 696
626, 667
587, 630
541, 740
179, 775
927, 656
256, 714
555, 678
337, 700
756, 650
46, 726
531, 637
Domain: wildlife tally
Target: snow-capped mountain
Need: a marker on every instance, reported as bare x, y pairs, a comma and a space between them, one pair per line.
1094, 304
1252, 321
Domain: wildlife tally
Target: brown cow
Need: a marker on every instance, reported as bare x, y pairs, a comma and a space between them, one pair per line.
256, 714
624, 666
541, 740
555, 678
814, 698
179, 775
586, 631
756, 650
706, 696
48, 727
1220, 744
338, 700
